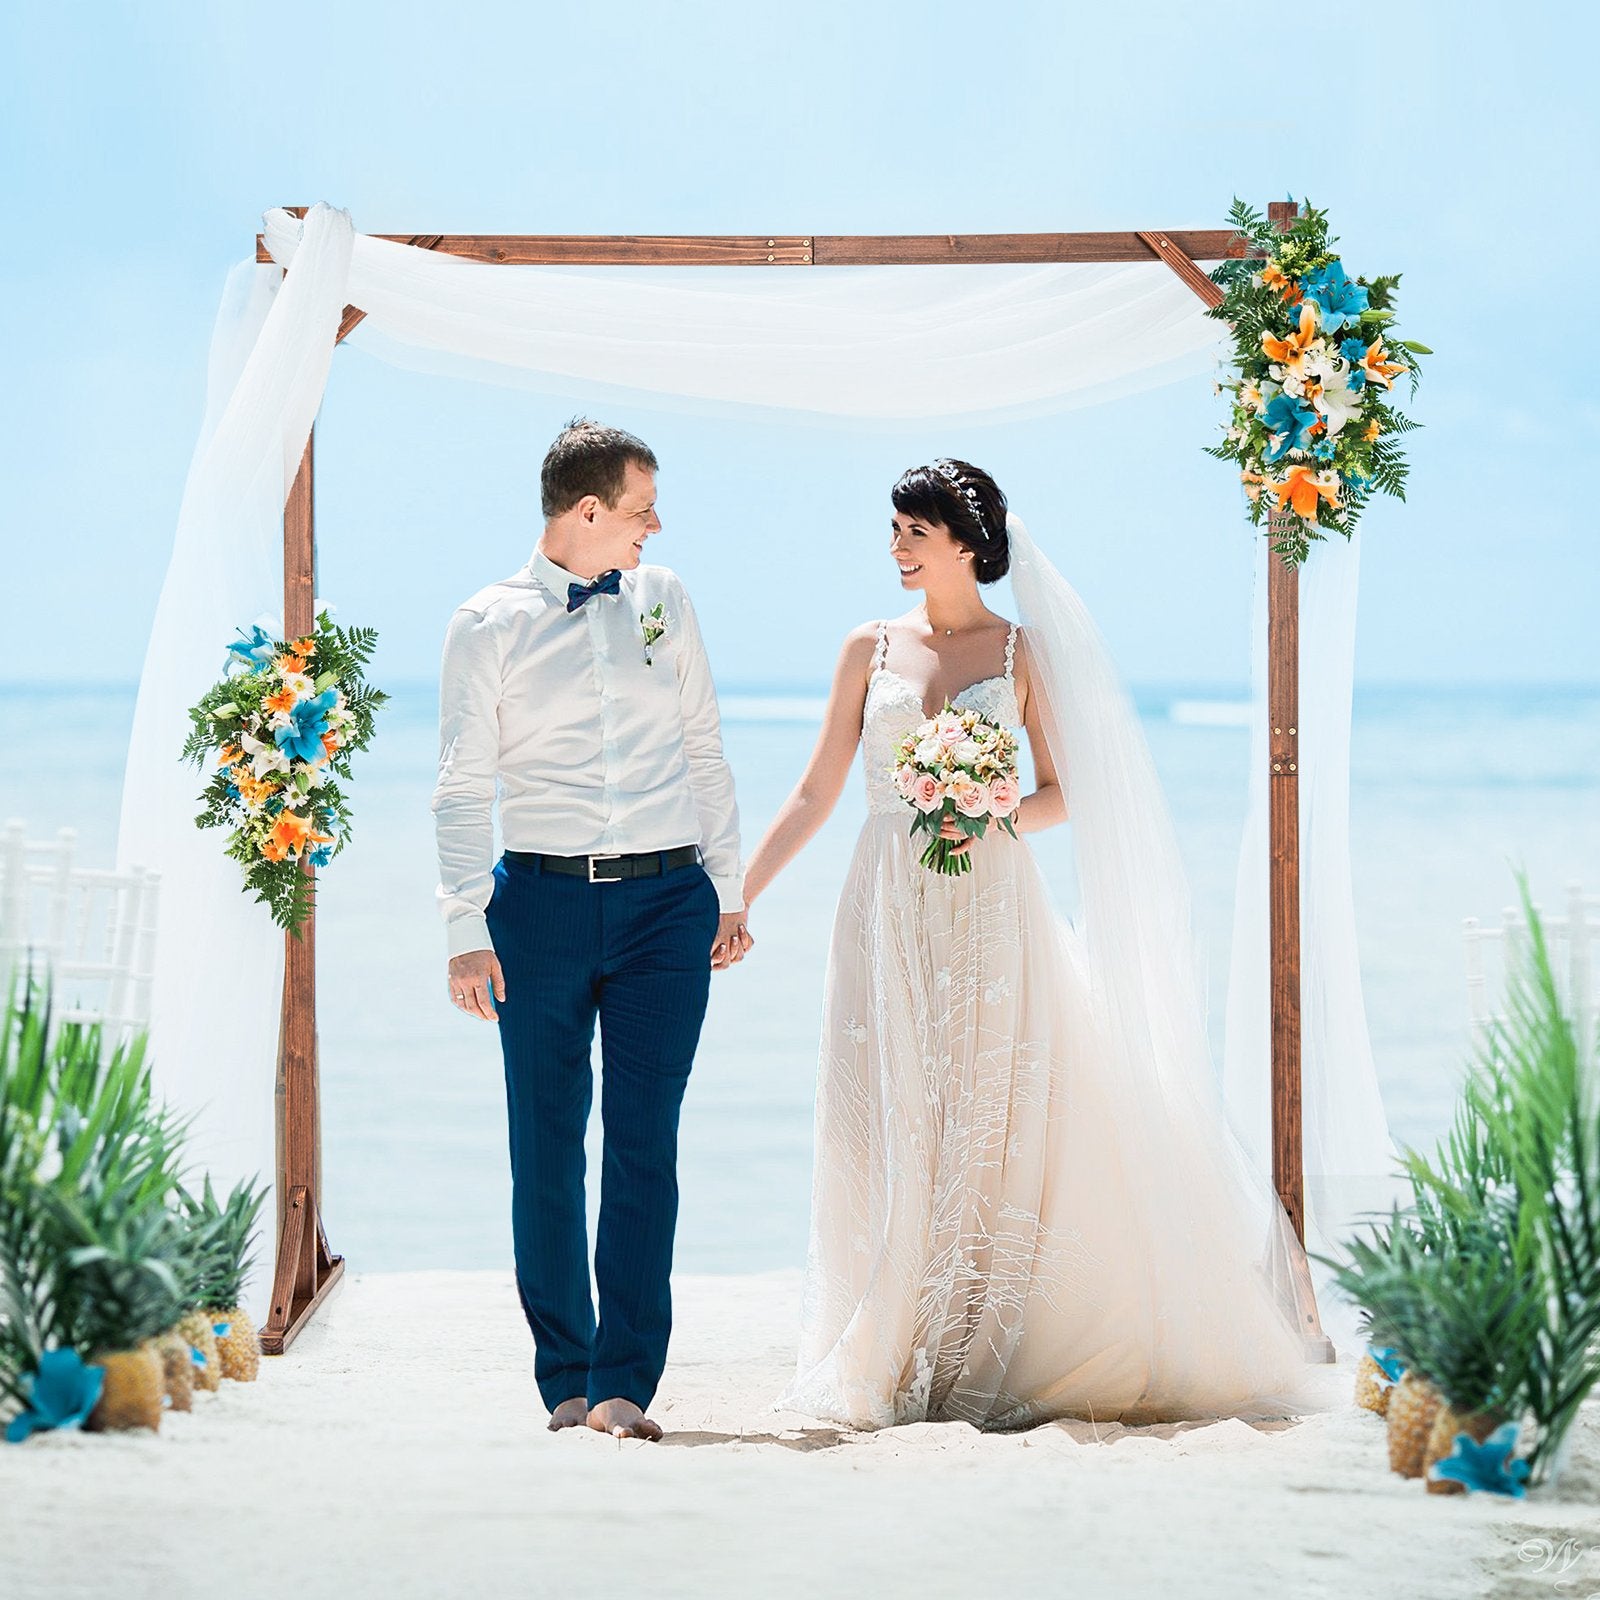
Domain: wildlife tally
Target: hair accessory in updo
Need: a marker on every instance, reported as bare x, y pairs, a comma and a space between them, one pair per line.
945, 470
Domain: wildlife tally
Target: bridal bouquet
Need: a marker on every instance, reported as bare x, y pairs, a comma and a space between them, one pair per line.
284, 721
1313, 423
957, 765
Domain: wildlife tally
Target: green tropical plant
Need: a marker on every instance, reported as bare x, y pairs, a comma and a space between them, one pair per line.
1537, 1096
1489, 1282
94, 1255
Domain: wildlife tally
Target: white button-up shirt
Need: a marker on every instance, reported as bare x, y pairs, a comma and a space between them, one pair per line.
597, 750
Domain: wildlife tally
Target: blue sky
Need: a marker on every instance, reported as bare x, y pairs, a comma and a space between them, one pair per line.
143, 141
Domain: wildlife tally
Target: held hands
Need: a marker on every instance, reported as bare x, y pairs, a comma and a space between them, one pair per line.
476, 982
732, 940
949, 830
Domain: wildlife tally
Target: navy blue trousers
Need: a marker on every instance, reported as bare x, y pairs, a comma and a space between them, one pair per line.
636, 957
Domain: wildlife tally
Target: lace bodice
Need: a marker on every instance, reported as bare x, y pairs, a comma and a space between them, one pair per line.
894, 708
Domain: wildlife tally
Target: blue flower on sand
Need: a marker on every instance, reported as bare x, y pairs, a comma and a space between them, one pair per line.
254, 649
1389, 1362
1289, 421
61, 1394
302, 737
1340, 301
1487, 1466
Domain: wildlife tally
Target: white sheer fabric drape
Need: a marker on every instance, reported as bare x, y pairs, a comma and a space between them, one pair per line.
861, 343
219, 957
1350, 1158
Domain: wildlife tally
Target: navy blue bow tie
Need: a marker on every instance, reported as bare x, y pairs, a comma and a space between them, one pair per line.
606, 583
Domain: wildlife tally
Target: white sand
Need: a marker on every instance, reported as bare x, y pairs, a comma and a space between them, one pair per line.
399, 1450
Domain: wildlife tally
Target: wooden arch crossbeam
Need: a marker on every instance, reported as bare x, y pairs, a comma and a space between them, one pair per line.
306, 1268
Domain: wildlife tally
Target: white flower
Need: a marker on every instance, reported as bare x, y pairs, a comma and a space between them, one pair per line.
264, 758
1338, 403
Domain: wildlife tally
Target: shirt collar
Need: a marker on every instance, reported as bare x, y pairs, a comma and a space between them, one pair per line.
554, 578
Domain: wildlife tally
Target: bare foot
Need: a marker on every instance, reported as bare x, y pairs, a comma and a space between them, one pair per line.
622, 1419
571, 1413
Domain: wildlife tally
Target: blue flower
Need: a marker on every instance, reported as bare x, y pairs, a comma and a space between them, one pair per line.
256, 648
1354, 352
1388, 1359
1486, 1466
1340, 301
1323, 449
61, 1394
1289, 421
302, 737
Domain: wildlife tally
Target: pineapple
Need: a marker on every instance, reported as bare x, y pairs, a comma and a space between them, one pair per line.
1413, 1404
194, 1328
1372, 1386
1447, 1423
121, 1286
1474, 1338
227, 1229
177, 1363
134, 1388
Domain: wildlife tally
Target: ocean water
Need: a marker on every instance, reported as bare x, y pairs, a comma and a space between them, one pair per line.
1450, 790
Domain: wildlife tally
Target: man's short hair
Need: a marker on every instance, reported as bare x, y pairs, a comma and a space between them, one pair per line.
589, 458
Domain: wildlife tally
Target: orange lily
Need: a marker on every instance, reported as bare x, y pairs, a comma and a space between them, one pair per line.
1373, 429
1253, 483
1378, 365
330, 743
1292, 351
290, 831
272, 850
304, 647
1299, 491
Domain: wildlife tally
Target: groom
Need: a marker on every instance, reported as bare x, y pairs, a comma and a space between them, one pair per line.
580, 685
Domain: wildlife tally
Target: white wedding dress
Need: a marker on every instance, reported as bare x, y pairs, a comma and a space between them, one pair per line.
1007, 1226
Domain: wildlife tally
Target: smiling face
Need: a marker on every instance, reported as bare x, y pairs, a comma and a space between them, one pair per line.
927, 556
614, 536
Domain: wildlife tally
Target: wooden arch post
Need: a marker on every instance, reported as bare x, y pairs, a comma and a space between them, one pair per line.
306, 1269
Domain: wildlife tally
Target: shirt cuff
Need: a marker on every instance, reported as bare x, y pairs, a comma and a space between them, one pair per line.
468, 933
730, 892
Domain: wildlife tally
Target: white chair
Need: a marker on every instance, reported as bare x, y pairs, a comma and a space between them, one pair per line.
91, 931
1570, 939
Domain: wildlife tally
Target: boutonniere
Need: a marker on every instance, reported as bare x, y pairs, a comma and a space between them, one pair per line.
653, 623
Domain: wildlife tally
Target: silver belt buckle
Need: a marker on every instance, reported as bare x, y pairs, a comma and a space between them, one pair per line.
593, 859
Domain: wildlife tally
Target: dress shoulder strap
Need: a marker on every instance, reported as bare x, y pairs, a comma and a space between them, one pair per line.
1011, 654
880, 653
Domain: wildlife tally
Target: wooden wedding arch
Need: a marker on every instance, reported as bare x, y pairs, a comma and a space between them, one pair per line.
306, 1268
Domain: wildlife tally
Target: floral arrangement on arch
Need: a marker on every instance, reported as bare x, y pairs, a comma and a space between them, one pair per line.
284, 721
1313, 427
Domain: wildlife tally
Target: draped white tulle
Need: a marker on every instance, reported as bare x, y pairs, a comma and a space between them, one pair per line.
946, 342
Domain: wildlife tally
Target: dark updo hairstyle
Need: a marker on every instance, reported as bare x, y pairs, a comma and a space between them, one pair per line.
967, 501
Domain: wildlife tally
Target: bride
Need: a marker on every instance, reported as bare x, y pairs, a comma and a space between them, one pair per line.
1027, 1202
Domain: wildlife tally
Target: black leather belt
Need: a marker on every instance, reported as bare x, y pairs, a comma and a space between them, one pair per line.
610, 869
